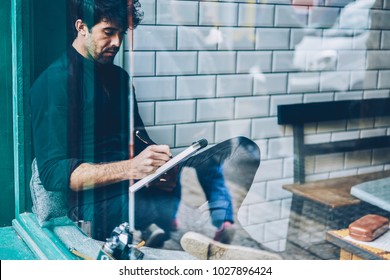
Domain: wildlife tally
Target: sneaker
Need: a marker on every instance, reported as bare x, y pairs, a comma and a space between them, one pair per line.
225, 233
154, 236
204, 248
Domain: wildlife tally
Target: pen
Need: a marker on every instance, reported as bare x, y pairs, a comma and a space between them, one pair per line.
137, 134
79, 254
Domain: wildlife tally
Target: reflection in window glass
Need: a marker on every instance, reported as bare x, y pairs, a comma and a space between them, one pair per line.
213, 70
237, 61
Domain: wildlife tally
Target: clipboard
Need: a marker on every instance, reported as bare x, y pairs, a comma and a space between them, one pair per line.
196, 146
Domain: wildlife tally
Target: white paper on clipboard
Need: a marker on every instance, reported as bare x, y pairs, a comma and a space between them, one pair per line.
169, 164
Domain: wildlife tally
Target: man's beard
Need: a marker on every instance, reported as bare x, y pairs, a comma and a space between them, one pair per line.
107, 55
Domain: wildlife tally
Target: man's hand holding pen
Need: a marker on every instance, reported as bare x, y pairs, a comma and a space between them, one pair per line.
153, 157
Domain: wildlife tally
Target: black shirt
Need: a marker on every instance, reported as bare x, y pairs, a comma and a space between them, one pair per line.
80, 113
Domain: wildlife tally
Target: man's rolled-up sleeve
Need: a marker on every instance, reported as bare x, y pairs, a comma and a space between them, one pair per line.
50, 117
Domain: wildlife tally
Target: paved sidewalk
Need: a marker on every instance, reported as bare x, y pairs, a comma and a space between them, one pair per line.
192, 218
187, 218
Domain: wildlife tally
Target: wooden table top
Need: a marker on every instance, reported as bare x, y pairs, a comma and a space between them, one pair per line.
334, 192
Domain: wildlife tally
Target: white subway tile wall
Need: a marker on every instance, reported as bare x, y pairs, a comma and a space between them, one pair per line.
218, 69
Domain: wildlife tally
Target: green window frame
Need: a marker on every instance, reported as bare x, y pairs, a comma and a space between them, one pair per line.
44, 243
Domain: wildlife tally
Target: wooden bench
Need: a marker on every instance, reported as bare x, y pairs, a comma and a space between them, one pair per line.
336, 192
318, 206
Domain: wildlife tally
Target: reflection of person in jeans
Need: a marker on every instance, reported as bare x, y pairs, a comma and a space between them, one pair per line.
80, 122
238, 152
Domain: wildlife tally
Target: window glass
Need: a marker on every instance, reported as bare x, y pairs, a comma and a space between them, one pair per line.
216, 72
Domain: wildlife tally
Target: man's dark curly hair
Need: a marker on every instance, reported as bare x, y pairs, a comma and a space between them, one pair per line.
126, 13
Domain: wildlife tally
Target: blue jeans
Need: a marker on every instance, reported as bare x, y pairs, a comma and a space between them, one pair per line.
157, 206
209, 166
